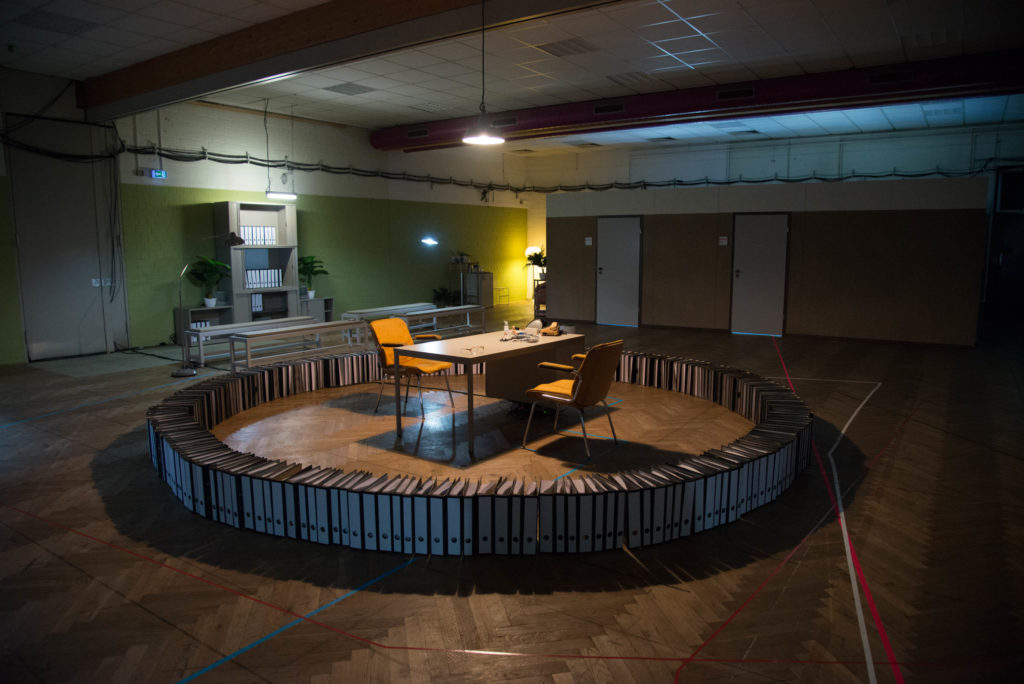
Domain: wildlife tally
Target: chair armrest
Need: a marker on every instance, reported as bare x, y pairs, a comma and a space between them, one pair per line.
551, 365
391, 344
426, 336
578, 357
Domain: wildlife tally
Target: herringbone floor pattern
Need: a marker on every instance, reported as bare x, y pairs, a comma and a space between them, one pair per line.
105, 577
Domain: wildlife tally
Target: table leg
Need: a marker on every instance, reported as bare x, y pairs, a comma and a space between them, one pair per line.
398, 397
469, 406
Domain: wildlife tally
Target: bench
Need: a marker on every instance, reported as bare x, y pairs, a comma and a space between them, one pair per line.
393, 311
202, 337
456, 320
298, 340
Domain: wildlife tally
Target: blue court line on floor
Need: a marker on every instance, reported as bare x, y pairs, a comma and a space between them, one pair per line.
103, 401
296, 621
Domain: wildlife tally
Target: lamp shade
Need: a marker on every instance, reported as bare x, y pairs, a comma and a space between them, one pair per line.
481, 134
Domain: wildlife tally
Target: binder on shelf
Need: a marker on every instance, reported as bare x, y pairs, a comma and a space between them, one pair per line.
384, 526
469, 498
561, 525
368, 492
546, 515
530, 522
319, 497
453, 522
291, 517
516, 519
502, 494
634, 512
572, 524
248, 505
597, 491
355, 514
586, 515
485, 518
421, 516
437, 523
408, 527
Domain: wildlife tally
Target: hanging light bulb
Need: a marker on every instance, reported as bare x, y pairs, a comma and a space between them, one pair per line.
482, 133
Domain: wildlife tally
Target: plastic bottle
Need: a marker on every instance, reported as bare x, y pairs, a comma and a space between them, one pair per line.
504, 335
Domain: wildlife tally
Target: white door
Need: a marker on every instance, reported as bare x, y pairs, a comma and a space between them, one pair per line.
759, 273
618, 271
69, 263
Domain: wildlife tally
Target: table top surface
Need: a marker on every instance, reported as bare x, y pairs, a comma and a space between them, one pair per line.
476, 348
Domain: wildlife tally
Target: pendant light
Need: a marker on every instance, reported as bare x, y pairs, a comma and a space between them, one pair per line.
482, 133
272, 194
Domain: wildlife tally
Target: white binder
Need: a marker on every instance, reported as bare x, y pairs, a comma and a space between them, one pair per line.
453, 523
485, 518
530, 523
547, 516
586, 516
501, 517
469, 498
421, 516
516, 519
437, 526
248, 506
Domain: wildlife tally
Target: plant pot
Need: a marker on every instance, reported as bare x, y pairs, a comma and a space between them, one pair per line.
312, 294
209, 301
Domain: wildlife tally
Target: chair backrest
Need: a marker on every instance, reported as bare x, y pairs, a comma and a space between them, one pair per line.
595, 374
389, 331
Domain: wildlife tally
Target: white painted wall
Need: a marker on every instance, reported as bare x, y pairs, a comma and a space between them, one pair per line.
977, 149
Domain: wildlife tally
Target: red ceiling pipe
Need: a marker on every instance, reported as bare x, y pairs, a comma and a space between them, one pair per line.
993, 73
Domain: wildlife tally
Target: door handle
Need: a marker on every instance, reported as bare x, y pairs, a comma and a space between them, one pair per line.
600, 270
738, 271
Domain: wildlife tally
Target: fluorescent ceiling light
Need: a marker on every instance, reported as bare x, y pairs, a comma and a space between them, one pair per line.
429, 241
281, 195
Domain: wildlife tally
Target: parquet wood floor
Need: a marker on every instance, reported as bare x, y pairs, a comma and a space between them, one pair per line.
105, 577
338, 428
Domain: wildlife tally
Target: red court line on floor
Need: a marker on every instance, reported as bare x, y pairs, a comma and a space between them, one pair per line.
436, 649
862, 580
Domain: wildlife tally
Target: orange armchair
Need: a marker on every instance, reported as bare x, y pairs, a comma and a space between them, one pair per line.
389, 333
587, 385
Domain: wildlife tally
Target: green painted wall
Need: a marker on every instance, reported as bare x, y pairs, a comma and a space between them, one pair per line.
371, 247
12, 334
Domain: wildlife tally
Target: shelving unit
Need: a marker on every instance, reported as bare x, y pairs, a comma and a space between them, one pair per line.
321, 308
200, 316
264, 281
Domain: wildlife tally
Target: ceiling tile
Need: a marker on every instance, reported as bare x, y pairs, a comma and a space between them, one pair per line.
148, 26
99, 14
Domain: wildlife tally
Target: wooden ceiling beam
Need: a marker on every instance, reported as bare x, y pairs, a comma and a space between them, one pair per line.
319, 36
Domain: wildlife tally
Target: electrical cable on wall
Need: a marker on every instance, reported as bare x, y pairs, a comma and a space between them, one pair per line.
187, 156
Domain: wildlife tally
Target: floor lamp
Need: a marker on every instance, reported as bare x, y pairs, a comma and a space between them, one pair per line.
185, 371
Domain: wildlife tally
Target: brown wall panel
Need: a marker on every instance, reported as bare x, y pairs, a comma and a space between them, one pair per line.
686, 273
891, 275
571, 264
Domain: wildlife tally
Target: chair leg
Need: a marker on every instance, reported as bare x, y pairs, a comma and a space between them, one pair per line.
379, 393
408, 381
526, 432
583, 427
419, 385
608, 413
558, 408
451, 399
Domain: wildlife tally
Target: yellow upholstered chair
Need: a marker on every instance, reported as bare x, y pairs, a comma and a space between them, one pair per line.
389, 333
587, 385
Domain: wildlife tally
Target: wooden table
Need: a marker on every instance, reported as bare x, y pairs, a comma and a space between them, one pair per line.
511, 365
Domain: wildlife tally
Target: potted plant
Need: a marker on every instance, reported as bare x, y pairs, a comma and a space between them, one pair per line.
310, 266
538, 259
207, 273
